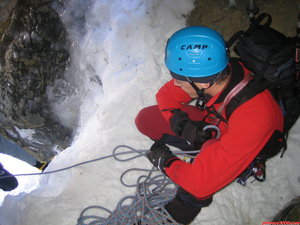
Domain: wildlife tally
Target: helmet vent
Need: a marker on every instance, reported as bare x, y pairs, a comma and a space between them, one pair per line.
209, 59
179, 58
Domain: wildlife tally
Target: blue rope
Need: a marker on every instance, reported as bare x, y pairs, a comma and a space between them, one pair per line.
153, 190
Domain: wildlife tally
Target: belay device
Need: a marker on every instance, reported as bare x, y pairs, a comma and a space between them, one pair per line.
273, 60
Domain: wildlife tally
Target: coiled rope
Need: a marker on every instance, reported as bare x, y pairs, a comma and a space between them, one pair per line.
153, 190
146, 207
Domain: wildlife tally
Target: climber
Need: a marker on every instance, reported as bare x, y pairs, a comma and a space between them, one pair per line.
201, 70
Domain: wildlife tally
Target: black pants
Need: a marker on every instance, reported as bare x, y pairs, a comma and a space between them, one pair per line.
185, 207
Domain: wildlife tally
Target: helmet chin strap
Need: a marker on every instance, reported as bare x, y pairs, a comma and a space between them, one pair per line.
200, 92
201, 101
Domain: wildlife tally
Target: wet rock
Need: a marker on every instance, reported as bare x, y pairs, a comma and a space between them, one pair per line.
6, 8
33, 54
290, 213
228, 16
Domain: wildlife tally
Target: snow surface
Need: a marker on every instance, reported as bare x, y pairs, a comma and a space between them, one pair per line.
16, 166
122, 44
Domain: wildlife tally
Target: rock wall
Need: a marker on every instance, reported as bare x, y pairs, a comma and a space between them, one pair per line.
33, 54
229, 16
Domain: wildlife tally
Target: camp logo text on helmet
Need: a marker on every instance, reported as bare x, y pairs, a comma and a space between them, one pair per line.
189, 47
196, 52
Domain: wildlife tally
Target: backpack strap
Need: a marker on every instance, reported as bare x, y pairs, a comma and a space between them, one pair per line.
234, 38
231, 95
249, 91
252, 26
245, 93
257, 21
239, 90
237, 75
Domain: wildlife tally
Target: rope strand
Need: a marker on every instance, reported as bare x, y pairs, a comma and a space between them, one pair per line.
153, 190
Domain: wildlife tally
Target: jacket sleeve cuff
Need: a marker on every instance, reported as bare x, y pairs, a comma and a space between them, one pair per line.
170, 161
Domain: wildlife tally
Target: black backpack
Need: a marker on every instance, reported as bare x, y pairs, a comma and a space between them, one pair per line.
270, 56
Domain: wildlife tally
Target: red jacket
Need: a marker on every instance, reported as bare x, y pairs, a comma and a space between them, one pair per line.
223, 160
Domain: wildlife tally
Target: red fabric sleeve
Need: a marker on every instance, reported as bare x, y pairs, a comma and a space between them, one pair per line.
222, 160
170, 96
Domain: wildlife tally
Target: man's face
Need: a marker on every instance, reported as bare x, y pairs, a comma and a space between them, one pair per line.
186, 86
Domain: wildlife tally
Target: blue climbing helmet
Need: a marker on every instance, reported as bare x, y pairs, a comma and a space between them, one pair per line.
196, 53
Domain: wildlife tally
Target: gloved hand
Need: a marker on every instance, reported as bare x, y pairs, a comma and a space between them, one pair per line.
192, 131
8, 182
160, 156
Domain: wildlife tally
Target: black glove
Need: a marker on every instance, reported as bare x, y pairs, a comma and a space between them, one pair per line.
8, 182
178, 121
160, 156
192, 131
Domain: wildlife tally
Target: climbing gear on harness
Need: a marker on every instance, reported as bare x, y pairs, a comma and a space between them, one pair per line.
195, 132
193, 46
256, 169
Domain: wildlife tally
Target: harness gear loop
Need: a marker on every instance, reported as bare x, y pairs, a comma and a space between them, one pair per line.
257, 169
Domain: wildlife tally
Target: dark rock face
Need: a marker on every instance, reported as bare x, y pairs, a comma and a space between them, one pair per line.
290, 213
230, 16
33, 54
6, 7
